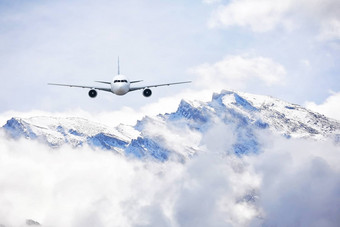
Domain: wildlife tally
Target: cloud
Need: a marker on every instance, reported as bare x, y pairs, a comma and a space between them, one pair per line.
211, 1
239, 71
290, 182
260, 16
330, 30
68, 187
299, 182
330, 107
266, 15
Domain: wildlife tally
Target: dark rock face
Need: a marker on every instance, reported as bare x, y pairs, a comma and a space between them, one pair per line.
107, 142
143, 147
31, 222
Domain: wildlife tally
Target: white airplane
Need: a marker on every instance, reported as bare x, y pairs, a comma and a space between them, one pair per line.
120, 85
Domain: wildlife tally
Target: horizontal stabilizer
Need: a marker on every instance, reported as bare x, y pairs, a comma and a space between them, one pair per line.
135, 81
103, 82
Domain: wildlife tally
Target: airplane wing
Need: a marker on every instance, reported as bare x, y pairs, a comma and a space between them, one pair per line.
81, 86
157, 85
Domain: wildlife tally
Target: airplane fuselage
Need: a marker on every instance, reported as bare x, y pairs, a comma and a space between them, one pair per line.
120, 85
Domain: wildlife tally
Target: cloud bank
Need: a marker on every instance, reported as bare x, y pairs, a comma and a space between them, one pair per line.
238, 71
330, 107
290, 183
266, 15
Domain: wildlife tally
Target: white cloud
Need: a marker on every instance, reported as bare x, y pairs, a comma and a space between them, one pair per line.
266, 15
330, 30
299, 182
260, 16
239, 72
290, 182
211, 1
330, 107
67, 187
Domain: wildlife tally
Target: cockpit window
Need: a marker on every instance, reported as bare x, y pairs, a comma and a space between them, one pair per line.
122, 81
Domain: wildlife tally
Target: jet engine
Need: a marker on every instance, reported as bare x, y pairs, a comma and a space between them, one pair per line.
92, 93
147, 92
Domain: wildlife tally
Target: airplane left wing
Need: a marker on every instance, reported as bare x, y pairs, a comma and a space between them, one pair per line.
157, 85
82, 86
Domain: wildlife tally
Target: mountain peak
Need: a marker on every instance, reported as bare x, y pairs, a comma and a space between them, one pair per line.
16, 128
231, 99
178, 134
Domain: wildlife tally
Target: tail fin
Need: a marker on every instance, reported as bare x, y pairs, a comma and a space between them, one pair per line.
118, 67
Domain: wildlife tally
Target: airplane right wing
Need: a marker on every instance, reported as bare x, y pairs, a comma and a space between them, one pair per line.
157, 85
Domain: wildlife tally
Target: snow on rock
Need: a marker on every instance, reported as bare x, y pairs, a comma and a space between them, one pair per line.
58, 131
179, 135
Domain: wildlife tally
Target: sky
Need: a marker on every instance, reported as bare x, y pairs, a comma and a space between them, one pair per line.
287, 50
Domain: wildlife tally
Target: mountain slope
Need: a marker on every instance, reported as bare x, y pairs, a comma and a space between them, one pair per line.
180, 134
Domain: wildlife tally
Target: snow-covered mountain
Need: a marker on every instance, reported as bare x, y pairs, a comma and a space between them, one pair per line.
180, 134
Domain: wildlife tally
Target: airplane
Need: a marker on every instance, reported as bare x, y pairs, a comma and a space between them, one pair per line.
120, 85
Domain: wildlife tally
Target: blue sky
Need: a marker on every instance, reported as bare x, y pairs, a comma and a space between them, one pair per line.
287, 50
